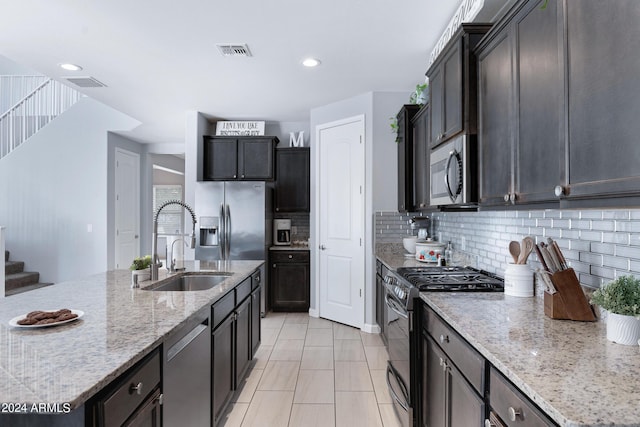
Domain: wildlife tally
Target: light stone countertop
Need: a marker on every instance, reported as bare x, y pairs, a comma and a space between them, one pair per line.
289, 248
569, 369
71, 362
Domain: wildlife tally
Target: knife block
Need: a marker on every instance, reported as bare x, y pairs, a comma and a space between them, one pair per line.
569, 302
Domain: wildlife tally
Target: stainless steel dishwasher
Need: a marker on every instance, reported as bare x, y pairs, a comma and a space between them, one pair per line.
187, 375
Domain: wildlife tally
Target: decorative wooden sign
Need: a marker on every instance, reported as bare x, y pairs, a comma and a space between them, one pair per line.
241, 128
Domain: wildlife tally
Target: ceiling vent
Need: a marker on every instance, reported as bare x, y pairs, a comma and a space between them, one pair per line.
234, 49
85, 81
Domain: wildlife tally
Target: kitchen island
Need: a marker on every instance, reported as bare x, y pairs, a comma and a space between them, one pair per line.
64, 366
568, 369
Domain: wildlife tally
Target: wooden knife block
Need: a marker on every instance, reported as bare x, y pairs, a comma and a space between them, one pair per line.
569, 302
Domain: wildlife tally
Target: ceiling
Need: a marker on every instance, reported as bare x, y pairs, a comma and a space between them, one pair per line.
158, 59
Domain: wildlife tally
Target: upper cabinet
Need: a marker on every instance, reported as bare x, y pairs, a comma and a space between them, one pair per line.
520, 98
238, 158
292, 180
603, 103
421, 157
453, 86
405, 156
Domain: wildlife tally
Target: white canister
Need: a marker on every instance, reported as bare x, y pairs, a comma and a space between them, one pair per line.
518, 280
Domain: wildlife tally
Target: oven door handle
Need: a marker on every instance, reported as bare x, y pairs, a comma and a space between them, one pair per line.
393, 393
394, 306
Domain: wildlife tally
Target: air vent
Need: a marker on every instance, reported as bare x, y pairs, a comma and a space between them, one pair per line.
85, 81
234, 49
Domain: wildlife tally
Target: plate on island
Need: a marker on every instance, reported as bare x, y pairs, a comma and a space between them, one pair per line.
14, 322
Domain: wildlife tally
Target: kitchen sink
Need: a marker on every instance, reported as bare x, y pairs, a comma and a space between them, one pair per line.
189, 282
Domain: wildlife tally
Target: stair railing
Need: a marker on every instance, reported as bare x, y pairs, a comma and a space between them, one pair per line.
47, 101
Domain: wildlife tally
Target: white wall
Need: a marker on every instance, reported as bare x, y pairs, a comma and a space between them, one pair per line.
380, 174
53, 186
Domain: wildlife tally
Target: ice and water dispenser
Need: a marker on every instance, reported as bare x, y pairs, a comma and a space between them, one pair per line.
209, 231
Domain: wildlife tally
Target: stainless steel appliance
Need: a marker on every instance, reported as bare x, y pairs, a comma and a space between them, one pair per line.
401, 288
282, 232
235, 222
454, 172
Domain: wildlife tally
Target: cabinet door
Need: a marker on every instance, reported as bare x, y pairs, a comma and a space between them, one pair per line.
405, 157
434, 384
243, 339
539, 86
222, 366
604, 98
495, 98
255, 320
421, 159
292, 180
220, 158
465, 406
436, 100
289, 285
453, 91
149, 413
255, 158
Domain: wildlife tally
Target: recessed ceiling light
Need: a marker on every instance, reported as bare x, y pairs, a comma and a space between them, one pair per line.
311, 62
70, 67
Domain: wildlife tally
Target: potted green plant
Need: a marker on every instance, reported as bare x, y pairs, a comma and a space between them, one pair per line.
140, 270
621, 300
393, 124
419, 95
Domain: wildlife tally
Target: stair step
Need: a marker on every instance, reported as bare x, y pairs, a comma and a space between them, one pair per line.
26, 288
13, 267
17, 280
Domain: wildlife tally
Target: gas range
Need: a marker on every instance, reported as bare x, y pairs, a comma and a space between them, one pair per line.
451, 279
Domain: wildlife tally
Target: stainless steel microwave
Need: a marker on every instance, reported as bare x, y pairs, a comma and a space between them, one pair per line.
453, 172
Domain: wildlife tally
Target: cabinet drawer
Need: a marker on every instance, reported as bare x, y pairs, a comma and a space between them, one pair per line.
289, 256
222, 308
243, 290
132, 391
511, 405
256, 279
465, 357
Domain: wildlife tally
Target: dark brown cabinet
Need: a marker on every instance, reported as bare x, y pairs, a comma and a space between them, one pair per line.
289, 280
381, 307
453, 376
245, 158
521, 89
603, 102
453, 85
256, 318
421, 151
292, 180
405, 156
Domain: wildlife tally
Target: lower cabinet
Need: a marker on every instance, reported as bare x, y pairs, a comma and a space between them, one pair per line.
289, 280
381, 306
256, 295
134, 399
222, 366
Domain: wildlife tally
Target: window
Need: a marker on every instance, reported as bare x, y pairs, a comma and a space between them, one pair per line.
171, 219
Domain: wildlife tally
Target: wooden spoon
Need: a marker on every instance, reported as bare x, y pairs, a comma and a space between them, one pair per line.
514, 250
527, 247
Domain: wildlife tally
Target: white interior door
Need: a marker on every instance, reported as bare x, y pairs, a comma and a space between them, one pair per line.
127, 197
341, 221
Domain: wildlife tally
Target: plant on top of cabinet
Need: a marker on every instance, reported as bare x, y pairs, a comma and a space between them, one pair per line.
453, 85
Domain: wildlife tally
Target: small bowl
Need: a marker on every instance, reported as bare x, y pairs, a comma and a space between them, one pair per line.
409, 244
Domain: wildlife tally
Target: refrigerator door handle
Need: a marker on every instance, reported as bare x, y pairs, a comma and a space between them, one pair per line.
227, 230
223, 227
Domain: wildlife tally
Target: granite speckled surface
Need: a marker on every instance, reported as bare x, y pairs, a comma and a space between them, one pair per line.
70, 363
293, 247
569, 369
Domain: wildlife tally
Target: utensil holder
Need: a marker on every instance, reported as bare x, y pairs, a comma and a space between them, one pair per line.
569, 302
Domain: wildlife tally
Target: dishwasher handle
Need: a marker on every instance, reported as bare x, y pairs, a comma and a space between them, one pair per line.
185, 341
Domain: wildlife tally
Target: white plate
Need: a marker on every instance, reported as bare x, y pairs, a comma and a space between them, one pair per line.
14, 322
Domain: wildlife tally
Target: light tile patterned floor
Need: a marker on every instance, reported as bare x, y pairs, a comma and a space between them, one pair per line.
313, 372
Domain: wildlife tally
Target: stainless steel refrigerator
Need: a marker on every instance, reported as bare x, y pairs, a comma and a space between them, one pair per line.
234, 222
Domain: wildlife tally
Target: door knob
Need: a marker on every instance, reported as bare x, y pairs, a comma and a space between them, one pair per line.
323, 247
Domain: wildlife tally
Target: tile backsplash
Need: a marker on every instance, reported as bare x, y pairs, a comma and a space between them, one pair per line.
600, 245
299, 225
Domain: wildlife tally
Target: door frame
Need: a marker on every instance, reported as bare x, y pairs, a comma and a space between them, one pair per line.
315, 252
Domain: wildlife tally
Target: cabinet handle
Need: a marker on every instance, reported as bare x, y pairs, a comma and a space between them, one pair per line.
443, 363
512, 198
135, 388
242, 176
444, 338
506, 197
514, 413
235, 176
277, 209
274, 266
559, 191
290, 256
488, 423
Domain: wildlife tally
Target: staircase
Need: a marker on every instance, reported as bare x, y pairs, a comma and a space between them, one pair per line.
17, 280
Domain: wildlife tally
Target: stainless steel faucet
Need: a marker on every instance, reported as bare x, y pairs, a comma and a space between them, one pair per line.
172, 267
155, 260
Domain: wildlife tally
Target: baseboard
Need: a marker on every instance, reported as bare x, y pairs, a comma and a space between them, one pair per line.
371, 328
314, 313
